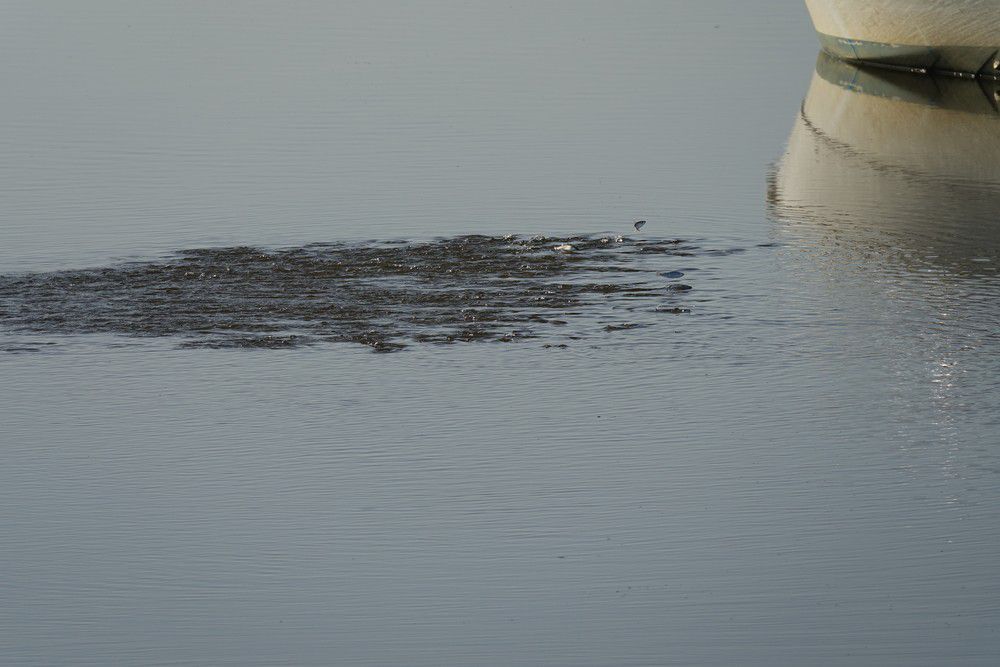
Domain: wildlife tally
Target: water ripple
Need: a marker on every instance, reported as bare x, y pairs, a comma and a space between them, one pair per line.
385, 295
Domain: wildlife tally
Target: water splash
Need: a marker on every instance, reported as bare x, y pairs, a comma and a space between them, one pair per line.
383, 295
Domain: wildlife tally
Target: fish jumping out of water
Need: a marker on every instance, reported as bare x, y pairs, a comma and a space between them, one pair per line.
639, 225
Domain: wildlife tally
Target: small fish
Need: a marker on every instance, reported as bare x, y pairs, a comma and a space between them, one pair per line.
639, 225
673, 274
564, 248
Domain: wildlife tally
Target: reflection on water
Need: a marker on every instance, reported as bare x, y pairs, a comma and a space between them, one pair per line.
893, 180
890, 188
908, 164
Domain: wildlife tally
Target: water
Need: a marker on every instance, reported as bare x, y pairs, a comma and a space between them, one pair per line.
566, 459
463, 289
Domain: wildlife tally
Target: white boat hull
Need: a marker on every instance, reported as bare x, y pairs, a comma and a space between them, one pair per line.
954, 36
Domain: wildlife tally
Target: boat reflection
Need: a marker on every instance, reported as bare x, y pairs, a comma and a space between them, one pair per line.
893, 159
889, 197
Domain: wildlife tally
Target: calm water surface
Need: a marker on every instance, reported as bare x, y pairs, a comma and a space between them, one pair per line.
215, 215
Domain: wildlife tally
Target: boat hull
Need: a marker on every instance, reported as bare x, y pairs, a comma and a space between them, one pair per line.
953, 36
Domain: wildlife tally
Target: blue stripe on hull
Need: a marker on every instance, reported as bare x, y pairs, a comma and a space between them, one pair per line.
976, 97
959, 60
